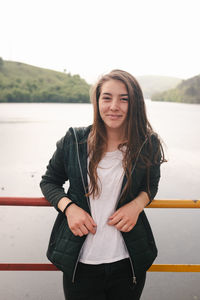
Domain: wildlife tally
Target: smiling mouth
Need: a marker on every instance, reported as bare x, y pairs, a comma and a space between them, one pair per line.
114, 117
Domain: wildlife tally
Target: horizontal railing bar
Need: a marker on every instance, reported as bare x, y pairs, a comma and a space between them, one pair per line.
50, 267
24, 201
27, 267
172, 203
174, 268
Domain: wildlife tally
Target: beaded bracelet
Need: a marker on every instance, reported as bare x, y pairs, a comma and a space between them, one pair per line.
66, 207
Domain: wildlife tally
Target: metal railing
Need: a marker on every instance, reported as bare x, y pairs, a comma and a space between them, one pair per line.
25, 201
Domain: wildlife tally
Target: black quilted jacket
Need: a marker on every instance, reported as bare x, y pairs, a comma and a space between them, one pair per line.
69, 162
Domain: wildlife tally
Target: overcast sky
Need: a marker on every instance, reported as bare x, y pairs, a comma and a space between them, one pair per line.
91, 37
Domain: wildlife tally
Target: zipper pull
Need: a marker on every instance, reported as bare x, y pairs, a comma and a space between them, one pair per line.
134, 280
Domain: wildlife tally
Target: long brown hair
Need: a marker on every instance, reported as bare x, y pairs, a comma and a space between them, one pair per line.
138, 130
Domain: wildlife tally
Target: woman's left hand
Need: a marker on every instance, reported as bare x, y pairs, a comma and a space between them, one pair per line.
125, 218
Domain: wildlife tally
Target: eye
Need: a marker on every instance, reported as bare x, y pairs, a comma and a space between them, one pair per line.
106, 98
124, 99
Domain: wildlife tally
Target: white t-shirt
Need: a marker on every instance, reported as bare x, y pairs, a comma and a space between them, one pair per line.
107, 244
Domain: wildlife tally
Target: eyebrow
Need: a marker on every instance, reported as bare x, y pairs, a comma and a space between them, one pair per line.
111, 94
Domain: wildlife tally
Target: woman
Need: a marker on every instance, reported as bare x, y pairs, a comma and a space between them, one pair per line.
101, 239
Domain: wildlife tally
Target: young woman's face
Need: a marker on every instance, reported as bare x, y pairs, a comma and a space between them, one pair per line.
113, 105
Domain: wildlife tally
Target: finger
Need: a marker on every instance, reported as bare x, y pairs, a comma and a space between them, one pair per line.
121, 224
92, 221
129, 229
90, 226
125, 227
77, 232
84, 229
115, 220
114, 214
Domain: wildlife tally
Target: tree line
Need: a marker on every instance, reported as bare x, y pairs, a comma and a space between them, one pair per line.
24, 83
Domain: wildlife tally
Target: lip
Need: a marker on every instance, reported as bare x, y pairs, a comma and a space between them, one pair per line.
114, 116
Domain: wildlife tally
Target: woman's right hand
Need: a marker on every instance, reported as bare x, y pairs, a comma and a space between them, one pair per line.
79, 221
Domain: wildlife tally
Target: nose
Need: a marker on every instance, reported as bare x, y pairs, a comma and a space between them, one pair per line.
114, 105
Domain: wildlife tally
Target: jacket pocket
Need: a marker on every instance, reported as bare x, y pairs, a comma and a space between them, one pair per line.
58, 231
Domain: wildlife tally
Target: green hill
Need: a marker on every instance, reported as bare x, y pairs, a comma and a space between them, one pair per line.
188, 91
20, 82
152, 84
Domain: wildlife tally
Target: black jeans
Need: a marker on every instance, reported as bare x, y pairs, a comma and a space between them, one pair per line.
111, 281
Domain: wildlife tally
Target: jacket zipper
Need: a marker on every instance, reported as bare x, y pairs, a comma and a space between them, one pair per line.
131, 263
133, 271
79, 163
73, 276
88, 202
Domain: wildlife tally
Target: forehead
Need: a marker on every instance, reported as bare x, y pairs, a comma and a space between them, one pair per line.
113, 86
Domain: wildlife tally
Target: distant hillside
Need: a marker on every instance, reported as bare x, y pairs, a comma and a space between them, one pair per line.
188, 91
20, 82
155, 84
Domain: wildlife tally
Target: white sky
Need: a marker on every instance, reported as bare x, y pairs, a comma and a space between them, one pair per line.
91, 37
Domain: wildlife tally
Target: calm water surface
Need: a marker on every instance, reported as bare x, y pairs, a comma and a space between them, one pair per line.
28, 133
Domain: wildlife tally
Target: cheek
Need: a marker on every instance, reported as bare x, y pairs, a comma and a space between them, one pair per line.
102, 109
125, 110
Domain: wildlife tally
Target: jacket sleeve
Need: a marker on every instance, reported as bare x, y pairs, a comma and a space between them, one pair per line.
151, 180
56, 175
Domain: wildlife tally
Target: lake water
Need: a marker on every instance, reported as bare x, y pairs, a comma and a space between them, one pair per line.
28, 133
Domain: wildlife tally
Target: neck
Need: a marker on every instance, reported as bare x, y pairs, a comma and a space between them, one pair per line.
114, 138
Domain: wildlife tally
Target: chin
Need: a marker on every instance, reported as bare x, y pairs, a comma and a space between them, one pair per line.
115, 126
